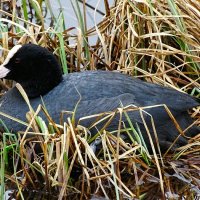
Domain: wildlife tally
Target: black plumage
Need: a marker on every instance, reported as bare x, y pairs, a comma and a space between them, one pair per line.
39, 73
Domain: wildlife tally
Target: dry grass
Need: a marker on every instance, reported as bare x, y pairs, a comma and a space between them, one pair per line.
158, 42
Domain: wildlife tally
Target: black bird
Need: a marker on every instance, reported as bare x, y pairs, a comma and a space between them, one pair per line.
40, 74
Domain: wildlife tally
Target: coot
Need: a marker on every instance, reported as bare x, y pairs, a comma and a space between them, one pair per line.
39, 73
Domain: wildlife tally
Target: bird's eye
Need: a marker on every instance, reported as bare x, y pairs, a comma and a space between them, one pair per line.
17, 60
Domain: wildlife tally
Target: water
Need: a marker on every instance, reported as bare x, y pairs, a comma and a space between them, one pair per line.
70, 17
94, 14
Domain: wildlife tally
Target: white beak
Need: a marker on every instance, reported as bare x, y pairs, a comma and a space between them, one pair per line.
3, 71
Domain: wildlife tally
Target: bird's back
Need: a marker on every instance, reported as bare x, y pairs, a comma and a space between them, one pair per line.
98, 91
